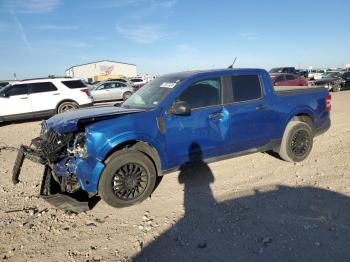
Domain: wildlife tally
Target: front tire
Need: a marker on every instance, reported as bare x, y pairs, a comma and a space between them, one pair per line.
297, 142
128, 178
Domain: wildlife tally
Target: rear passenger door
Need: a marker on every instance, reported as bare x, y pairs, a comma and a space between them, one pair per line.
250, 113
44, 97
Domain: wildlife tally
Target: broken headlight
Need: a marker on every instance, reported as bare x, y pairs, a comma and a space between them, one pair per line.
78, 146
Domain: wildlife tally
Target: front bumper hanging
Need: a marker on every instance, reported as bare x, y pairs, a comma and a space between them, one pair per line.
50, 188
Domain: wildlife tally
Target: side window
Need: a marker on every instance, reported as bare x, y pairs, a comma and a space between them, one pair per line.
290, 77
123, 85
42, 87
246, 87
202, 94
280, 79
74, 84
17, 90
105, 86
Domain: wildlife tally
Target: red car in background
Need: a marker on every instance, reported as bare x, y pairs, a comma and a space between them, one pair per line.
284, 79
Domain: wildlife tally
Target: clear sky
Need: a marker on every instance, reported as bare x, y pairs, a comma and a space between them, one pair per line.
42, 37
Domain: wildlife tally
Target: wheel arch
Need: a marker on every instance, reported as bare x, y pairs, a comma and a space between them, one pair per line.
139, 145
304, 115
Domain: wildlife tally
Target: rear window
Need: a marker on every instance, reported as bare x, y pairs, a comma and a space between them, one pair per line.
42, 87
245, 87
74, 84
136, 80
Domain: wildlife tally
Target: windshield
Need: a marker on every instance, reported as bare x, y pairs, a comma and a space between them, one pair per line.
153, 93
4, 89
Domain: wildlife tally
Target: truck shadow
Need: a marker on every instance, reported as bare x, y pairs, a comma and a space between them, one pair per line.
276, 223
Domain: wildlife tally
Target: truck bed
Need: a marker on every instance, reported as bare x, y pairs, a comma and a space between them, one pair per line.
287, 90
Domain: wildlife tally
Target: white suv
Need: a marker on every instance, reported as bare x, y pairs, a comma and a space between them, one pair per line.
42, 97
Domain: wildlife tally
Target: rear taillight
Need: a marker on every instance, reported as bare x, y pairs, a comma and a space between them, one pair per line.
328, 103
86, 91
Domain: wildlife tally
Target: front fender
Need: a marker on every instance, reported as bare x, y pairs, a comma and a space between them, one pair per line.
100, 146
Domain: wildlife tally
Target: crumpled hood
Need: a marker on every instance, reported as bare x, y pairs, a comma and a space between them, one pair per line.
71, 121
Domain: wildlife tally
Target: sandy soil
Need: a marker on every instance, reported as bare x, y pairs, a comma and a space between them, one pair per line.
251, 208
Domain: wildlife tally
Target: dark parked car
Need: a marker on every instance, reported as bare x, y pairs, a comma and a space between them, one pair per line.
288, 80
334, 81
346, 77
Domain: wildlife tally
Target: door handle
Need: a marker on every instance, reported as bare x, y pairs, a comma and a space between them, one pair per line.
56, 94
262, 107
215, 115
24, 97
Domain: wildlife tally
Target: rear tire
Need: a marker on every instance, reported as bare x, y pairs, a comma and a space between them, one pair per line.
126, 95
67, 106
297, 142
128, 178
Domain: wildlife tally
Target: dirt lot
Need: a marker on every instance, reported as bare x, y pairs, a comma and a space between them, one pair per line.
252, 208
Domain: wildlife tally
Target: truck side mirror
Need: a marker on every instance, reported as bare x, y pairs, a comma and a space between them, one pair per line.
181, 108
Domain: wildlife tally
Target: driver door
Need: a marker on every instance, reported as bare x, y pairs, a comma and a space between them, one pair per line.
203, 130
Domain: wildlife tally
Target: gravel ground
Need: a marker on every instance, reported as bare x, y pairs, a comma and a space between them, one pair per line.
251, 208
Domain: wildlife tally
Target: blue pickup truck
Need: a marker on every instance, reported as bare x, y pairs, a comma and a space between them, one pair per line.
119, 153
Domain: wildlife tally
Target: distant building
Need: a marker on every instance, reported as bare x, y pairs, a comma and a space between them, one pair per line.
102, 70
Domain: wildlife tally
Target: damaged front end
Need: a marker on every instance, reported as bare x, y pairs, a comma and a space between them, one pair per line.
62, 155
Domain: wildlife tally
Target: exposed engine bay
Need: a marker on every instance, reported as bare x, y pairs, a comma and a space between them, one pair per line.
59, 186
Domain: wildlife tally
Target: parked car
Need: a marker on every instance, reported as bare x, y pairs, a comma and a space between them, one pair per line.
346, 80
319, 74
331, 74
137, 83
334, 81
111, 90
313, 72
288, 80
290, 70
173, 121
42, 97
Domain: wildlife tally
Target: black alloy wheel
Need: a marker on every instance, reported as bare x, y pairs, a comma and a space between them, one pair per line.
130, 181
300, 143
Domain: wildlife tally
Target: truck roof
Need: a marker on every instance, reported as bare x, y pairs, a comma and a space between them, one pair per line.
187, 74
